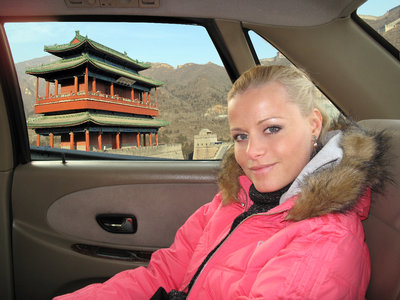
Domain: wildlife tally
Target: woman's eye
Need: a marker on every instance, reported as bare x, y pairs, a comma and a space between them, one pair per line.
239, 137
272, 129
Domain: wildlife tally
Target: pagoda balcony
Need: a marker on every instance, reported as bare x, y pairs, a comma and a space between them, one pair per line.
84, 100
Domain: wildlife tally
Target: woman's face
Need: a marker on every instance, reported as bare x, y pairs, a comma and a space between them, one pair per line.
273, 140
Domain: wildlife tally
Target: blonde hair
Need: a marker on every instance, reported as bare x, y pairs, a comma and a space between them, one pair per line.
301, 91
298, 85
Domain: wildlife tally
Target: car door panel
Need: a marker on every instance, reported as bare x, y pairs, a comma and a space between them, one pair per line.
60, 230
5, 236
6, 174
75, 214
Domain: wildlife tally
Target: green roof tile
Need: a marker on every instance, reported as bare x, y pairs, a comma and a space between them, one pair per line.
64, 64
76, 119
98, 46
61, 64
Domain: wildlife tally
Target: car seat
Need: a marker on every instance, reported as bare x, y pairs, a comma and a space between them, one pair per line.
382, 228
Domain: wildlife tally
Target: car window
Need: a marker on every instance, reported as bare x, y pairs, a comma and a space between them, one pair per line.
269, 55
384, 18
146, 90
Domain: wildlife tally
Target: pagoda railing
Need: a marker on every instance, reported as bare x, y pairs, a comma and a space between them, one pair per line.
97, 96
83, 100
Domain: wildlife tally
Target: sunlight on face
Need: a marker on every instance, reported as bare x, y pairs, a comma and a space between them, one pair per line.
273, 140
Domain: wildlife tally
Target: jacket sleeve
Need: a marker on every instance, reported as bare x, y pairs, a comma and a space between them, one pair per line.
166, 268
325, 264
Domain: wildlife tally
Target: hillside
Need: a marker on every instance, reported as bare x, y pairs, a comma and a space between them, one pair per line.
387, 25
27, 83
190, 95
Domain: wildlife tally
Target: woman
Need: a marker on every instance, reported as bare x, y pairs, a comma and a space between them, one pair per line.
287, 221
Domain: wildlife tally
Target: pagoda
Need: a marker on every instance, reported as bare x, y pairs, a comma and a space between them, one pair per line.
99, 99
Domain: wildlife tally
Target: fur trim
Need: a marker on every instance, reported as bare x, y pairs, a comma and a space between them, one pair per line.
335, 189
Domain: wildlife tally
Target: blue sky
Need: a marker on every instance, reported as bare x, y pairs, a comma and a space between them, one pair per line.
146, 42
171, 44
377, 7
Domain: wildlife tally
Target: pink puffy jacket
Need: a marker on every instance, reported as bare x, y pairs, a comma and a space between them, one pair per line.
265, 257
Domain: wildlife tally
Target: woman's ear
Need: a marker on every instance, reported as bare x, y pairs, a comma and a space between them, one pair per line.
316, 122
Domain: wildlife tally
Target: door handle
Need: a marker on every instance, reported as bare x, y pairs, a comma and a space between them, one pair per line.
117, 223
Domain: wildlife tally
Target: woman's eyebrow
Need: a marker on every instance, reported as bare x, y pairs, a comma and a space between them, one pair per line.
258, 123
267, 119
236, 129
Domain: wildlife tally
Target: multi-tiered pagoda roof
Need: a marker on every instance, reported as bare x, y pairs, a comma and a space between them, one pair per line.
96, 89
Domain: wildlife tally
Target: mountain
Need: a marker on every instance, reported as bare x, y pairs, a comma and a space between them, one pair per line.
190, 93
27, 83
387, 25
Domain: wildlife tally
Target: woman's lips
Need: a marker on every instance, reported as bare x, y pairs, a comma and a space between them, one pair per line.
261, 168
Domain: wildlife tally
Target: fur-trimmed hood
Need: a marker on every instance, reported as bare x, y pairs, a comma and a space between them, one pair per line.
351, 160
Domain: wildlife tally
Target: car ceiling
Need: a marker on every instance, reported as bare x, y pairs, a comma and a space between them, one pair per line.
271, 12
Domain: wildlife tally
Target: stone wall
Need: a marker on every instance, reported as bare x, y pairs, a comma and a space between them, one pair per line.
171, 151
207, 146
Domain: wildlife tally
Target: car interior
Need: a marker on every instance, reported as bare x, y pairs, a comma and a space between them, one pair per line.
51, 209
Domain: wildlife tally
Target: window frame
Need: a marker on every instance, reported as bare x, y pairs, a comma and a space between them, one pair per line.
21, 148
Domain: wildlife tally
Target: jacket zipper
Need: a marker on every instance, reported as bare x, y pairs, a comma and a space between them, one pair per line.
226, 238
247, 200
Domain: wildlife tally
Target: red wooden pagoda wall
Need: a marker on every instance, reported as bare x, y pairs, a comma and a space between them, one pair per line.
108, 140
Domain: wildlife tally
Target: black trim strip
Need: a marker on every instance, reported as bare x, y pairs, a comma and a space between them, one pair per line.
375, 35
251, 46
141, 256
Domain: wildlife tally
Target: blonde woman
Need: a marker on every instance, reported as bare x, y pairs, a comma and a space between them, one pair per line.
286, 223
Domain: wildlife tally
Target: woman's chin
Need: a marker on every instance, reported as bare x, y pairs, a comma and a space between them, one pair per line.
262, 187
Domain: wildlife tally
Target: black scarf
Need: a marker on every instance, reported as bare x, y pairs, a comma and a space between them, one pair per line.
262, 202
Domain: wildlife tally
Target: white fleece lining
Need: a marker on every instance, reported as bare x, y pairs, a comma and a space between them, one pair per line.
330, 154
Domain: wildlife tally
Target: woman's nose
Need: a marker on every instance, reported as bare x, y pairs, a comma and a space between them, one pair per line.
255, 149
